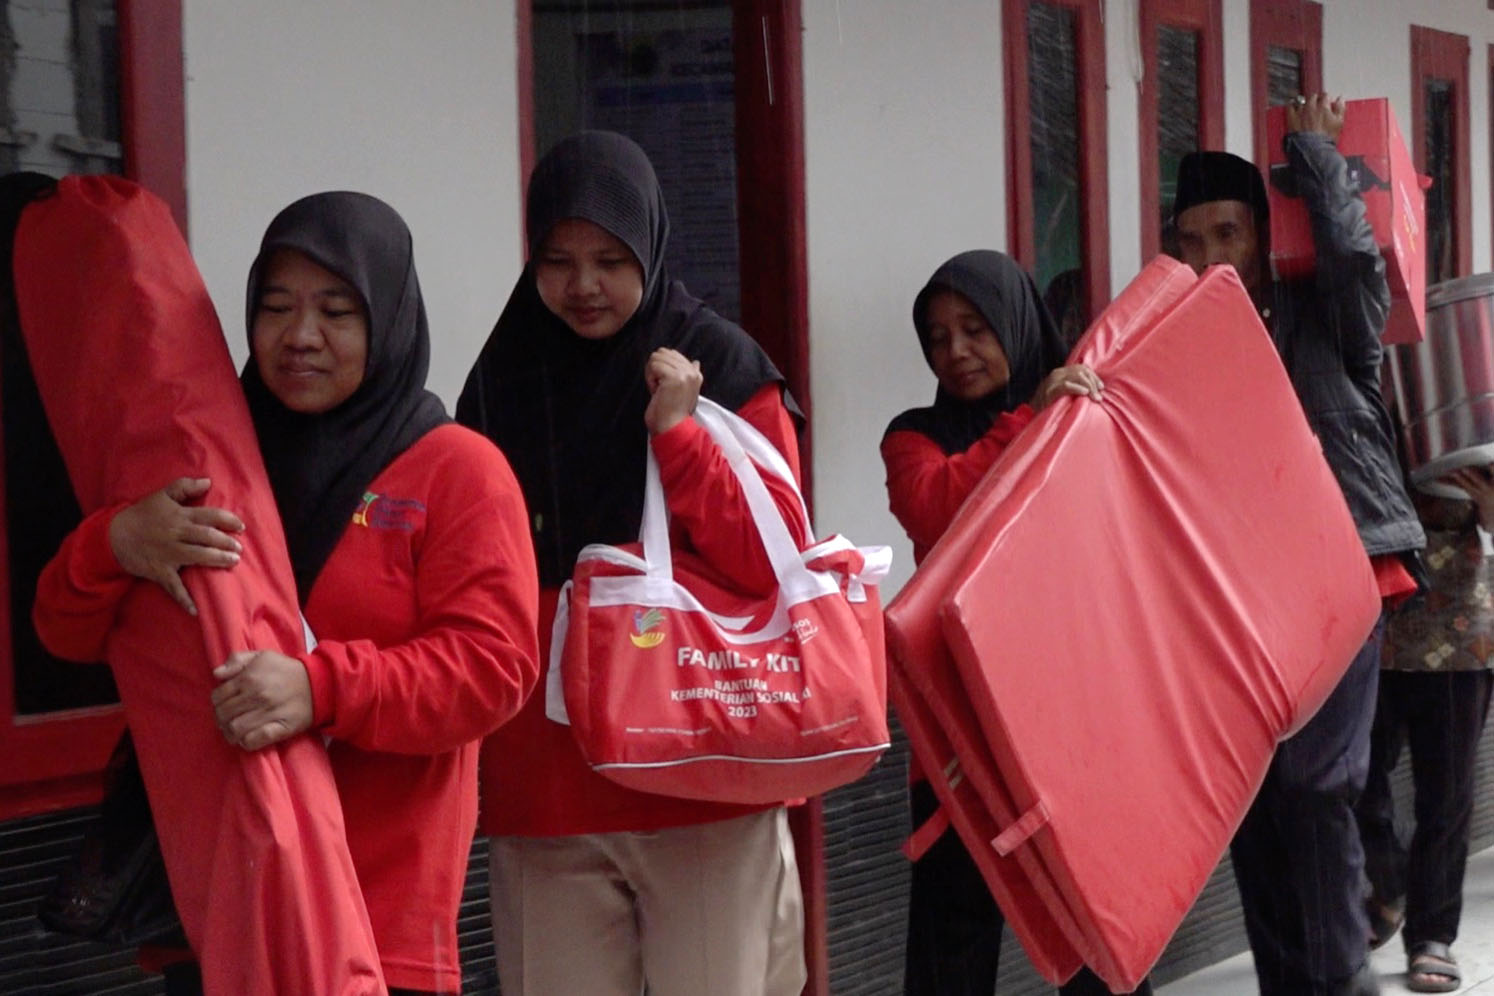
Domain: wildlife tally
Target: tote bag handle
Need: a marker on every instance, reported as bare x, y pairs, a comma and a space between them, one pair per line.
736, 437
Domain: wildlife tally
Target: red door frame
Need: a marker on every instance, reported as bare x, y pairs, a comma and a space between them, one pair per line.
1094, 233
1444, 55
1293, 24
1204, 17
54, 761
768, 57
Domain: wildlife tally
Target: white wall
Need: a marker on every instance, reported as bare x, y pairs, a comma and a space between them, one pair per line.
1367, 52
904, 126
905, 131
413, 102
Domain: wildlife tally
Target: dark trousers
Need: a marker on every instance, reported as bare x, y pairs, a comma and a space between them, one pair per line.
1297, 855
1440, 715
954, 926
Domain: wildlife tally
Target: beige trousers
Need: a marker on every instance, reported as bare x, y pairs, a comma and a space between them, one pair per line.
706, 910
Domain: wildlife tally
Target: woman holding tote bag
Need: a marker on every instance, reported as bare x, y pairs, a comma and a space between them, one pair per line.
596, 888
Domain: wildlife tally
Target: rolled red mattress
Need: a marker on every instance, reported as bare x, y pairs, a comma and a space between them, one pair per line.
139, 389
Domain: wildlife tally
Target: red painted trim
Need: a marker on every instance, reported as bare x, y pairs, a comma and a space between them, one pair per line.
1206, 18
1293, 24
36, 798
1021, 240
54, 761
524, 59
767, 42
153, 102
767, 38
1093, 158
1444, 55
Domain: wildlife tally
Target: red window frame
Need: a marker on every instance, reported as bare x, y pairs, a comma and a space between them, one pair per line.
1293, 24
1094, 234
1444, 55
53, 761
1206, 18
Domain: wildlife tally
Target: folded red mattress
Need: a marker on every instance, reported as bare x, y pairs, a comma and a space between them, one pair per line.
1142, 597
139, 389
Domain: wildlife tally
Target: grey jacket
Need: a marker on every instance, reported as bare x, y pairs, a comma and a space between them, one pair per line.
1327, 329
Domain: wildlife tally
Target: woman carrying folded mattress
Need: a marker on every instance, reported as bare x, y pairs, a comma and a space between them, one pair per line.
998, 360
408, 544
597, 358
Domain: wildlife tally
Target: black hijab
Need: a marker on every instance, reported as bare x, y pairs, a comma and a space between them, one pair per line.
320, 465
1009, 301
568, 411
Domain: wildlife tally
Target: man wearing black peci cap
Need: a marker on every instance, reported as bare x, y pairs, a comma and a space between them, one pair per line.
1297, 856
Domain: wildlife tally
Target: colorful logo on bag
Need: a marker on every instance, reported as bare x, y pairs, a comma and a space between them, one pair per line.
648, 628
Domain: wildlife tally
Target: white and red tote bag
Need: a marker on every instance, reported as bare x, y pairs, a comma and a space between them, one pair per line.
673, 683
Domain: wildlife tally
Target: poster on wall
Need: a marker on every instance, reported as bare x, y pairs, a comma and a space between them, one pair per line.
671, 91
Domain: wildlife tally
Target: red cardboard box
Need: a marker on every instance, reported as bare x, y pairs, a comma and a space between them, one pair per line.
1382, 168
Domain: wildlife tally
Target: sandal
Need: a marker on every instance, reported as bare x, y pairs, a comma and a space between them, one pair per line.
1384, 920
1431, 968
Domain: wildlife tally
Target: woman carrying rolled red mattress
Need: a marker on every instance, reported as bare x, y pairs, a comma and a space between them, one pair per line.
407, 542
138, 387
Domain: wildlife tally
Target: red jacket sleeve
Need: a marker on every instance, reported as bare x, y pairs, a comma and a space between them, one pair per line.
926, 486
706, 505
472, 656
79, 591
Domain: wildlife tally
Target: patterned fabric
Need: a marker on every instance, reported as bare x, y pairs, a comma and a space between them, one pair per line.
1452, 627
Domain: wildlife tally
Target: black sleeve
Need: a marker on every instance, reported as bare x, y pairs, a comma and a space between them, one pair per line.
1353, 294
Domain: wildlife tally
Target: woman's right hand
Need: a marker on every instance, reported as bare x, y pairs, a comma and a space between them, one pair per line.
161, 533
1075, 379
1478, 482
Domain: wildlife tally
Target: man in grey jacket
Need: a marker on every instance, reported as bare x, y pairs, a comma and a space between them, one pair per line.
1298, 859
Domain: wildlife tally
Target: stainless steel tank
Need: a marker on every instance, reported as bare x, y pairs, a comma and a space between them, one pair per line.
1444, 384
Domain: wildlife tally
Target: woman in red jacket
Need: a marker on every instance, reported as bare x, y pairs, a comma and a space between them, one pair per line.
408, 542
998, 359
598, 357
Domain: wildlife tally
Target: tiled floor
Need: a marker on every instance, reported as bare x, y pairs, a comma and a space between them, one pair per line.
1474, 949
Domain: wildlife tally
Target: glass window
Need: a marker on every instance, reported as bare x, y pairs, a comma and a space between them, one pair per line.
59, 88
663, 75
1437, 97
1284, 78
1177, 107
59, 113
1056, 204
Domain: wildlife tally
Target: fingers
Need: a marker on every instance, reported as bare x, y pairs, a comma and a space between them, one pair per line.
675, 383
207, 546
1471, 480
264, 697
1084, 380
172, 582
236, 663
184, 489
218, 518
270, 732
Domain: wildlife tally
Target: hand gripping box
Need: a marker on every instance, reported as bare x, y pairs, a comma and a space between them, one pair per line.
1382, 169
